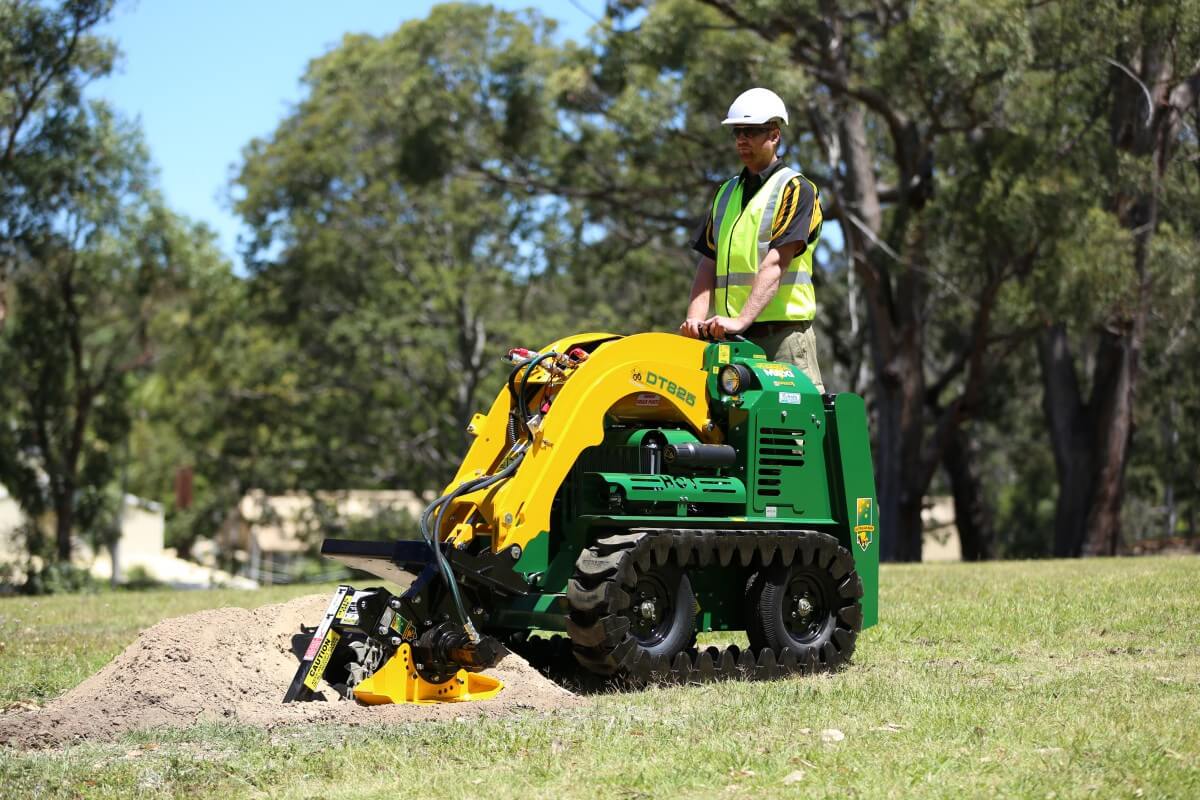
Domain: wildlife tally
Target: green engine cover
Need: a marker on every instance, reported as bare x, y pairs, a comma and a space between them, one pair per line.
623, 488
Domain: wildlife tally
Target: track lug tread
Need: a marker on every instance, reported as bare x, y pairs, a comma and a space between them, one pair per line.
852, 616
598, 567
787, 550
851, 587
599, 591
725, 546
788, 660
843, 564
626, 541
605, 632
766, 667
844, 642
767, 550
826, 553
605, 598
706, 669
681, 668
660, 548
686, 544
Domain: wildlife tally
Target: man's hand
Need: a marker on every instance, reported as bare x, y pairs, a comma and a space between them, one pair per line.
691, 328
720, 327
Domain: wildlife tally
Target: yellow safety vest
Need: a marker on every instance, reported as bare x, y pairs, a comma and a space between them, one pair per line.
743, 239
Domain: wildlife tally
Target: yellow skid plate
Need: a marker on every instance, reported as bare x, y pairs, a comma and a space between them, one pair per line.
398, 682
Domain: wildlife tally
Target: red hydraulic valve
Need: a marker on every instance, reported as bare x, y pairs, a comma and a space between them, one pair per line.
518, 354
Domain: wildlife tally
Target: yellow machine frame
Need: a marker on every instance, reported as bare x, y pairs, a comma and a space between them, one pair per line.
398, 681
642, 367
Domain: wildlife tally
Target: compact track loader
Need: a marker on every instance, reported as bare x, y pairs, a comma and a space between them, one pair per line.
629, 492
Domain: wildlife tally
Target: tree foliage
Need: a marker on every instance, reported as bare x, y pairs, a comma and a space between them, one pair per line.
1011, 275
393, 273
92, 265
48, 54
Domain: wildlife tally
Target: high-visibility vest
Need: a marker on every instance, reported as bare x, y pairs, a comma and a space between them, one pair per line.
743, 239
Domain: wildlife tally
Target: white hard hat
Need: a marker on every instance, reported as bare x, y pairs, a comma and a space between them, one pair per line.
756, 107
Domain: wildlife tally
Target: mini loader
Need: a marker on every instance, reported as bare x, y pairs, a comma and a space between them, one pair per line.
630, 492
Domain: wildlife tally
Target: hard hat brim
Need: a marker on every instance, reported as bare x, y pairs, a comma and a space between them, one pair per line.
752, 120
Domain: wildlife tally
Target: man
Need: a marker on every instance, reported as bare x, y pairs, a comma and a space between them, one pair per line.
757, 244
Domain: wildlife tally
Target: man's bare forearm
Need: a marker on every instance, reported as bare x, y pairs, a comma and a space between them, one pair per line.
763, 288
702, 288
766, 283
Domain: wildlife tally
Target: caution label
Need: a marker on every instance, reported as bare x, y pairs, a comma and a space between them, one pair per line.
322, 660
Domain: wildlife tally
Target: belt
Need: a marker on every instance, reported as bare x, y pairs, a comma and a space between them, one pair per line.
759, 330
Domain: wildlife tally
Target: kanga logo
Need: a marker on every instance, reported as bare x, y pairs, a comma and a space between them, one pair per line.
865, 524
636, 375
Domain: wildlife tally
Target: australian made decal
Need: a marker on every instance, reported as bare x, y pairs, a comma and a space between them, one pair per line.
864, 526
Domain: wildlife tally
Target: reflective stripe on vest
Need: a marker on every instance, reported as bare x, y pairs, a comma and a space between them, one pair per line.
743, 240
747, 279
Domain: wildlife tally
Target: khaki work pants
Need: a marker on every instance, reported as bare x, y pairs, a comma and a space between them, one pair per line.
792, 343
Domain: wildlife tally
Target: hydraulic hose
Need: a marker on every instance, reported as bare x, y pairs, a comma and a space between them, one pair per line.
441, 504
519, 413
518, 409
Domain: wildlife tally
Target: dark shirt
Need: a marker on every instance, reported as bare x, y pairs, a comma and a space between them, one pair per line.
797, 215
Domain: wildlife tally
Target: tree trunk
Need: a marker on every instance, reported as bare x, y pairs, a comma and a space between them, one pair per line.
971, 515
899, 383
1068, 426
1092, 440
64, 521
1116, 374
907, 373
472, 343
1171, 443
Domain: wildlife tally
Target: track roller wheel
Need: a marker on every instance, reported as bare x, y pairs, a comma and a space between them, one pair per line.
811, 606
623, 610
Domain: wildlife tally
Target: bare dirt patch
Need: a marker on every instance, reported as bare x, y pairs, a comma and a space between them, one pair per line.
234, 665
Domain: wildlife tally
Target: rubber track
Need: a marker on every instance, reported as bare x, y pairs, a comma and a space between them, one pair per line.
599, 637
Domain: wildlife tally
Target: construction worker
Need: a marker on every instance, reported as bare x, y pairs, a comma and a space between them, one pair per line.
756, 245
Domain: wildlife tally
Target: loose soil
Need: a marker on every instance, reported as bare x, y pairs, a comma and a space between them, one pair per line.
234, 665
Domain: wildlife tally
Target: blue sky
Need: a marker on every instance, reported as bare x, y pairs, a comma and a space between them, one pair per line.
206, 78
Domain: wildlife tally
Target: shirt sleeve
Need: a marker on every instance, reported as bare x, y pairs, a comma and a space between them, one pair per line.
797, 216
705, 240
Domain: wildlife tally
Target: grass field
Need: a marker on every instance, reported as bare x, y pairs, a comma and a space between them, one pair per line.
1032, 679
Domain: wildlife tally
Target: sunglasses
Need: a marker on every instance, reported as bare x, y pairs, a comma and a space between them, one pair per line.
749, 131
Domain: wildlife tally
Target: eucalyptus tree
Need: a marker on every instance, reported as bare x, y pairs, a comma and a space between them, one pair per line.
878, 94
1142, 178
93, 283
394, 271
961, 147
48, 54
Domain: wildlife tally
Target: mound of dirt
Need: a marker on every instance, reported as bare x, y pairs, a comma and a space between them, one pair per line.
235, 664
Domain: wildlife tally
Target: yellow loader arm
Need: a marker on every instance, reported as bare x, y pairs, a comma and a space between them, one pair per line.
649, 374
